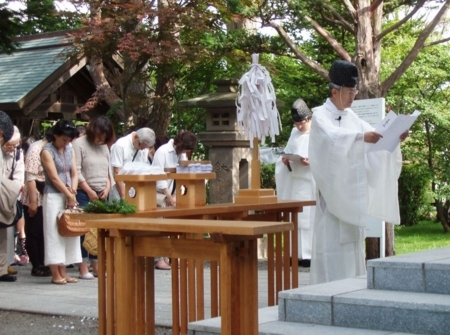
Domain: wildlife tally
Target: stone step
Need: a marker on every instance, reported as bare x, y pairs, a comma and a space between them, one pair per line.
426, 271
269, 325
347, 303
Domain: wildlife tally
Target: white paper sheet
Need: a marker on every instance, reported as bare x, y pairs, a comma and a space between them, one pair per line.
391, 127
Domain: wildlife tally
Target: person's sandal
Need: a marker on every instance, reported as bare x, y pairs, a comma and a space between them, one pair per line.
71, 280
59, 282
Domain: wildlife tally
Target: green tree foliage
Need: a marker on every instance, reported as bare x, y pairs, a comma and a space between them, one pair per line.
41, 16
8, 28
160, 43
425, 87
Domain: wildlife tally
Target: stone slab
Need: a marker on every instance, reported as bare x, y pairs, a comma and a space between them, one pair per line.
409, 312
293, 328
409, 272
313, 304
212, 326
437, 276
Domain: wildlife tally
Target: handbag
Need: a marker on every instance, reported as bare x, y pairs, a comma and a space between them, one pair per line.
68, 227
10, 207
90, 242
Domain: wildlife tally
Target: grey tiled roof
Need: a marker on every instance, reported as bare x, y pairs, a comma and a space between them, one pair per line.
27, 67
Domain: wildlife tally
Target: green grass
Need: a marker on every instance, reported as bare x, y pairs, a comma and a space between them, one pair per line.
425, 235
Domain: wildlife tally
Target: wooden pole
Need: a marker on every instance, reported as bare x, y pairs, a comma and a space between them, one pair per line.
256, 168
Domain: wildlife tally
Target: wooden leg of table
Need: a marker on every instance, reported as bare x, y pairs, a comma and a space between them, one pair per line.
150, 295
140, 295
191, 292
271, 269
110, 286
214, 289
200, 286
229, 290
175, 294
249, 289
287, 259
278, 265
183, 297
294, 234
125, 304
101, 282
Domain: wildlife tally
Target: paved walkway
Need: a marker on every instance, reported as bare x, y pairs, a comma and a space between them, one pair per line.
38, 295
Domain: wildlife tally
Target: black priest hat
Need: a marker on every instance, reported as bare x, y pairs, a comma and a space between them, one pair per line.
300, 111
343, 73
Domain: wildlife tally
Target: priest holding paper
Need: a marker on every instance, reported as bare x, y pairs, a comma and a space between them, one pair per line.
294, 180
351, 184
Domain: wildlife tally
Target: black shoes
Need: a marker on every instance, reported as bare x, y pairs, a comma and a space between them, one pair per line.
8, 278
43, 271
304, 263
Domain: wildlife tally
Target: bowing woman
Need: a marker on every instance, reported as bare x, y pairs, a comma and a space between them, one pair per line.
58, 160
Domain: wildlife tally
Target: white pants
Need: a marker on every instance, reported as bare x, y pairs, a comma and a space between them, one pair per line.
59, 250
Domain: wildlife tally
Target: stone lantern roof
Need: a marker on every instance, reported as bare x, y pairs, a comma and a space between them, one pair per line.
225, 96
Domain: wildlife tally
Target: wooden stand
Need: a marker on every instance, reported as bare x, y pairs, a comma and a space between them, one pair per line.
194, 188
140, 190
255, 195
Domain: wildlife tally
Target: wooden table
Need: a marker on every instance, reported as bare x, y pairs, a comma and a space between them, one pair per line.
126, 293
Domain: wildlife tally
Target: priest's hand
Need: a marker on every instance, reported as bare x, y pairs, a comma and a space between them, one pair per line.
371, 137
304, 161
285, 161
404, 136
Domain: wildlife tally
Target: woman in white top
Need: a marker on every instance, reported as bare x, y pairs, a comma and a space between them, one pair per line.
167, 156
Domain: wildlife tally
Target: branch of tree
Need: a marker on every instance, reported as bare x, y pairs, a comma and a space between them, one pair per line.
375, 5
418, 46
105, 91
340, 20
350, 7
401, 22
316, 67
327, 36
437, 42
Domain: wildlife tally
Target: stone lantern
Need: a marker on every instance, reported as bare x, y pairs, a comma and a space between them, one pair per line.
229, 150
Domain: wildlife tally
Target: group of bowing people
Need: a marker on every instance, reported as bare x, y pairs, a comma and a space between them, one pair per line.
66, 170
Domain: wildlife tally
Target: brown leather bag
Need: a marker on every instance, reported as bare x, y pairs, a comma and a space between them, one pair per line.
68, 227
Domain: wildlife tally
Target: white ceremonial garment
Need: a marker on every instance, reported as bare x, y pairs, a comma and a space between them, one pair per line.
351, 186
298, 185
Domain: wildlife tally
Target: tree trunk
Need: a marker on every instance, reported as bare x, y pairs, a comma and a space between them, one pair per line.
365, 60
389, 248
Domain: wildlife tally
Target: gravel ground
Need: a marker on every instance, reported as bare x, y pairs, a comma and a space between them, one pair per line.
15, 323
18, 323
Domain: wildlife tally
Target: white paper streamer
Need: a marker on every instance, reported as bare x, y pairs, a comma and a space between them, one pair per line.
256, 104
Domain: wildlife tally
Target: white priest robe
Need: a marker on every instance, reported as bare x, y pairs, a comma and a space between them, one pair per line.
298, 185
351, 186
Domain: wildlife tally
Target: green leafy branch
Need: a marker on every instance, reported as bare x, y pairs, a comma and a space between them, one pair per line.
114, 207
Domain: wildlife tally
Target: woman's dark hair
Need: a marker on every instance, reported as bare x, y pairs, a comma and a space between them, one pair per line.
63, 128
185, 140
101, 125
27, 142
160, 141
